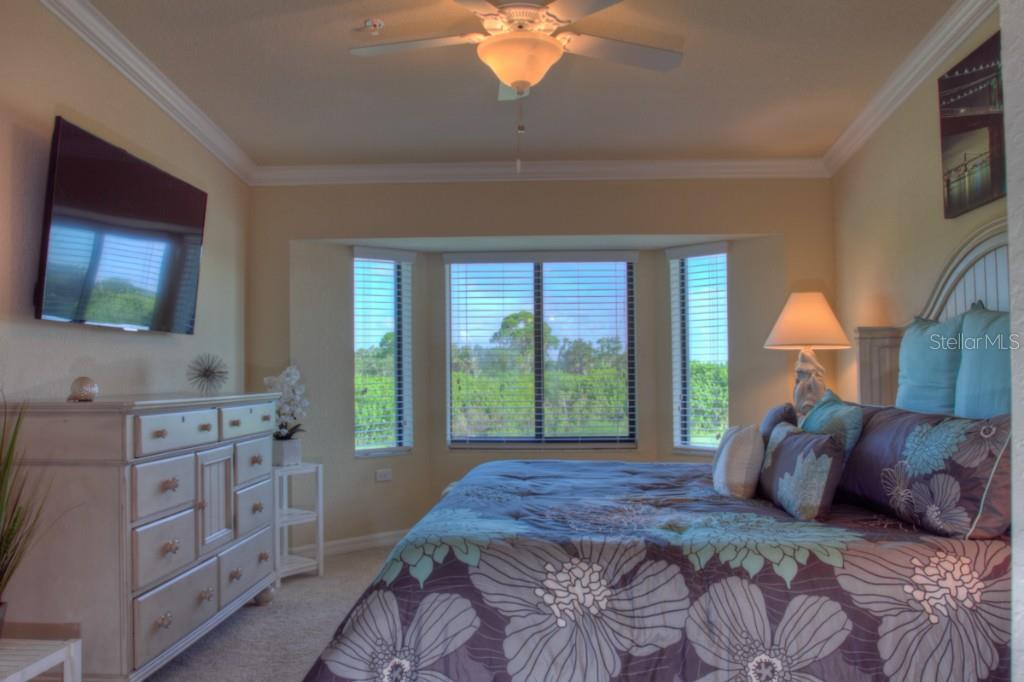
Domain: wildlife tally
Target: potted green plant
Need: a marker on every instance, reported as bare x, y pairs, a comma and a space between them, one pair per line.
20, 504
291, 407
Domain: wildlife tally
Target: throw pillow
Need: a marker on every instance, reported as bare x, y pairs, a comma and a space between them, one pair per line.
737, 464
802, 471
929, 366
983, 383
778, 414
832, 416
949, 476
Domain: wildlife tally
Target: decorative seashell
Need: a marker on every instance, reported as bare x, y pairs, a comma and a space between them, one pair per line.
84, 390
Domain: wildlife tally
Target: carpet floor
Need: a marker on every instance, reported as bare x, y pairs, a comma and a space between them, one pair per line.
279, 642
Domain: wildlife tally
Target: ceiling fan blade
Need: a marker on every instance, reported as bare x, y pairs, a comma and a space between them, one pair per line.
643, 56
574, 10
387, 48
507, 94
478, 6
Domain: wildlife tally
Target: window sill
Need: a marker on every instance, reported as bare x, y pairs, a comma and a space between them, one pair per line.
543, 447
704, 452
384, 452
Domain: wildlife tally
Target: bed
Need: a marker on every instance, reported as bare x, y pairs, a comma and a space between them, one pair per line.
580, 571
589, 571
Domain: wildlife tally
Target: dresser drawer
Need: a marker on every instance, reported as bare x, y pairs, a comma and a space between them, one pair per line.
162, 547
174, 431
161, 486
254, 507
246, 420
171, 611
253, 459
244, 564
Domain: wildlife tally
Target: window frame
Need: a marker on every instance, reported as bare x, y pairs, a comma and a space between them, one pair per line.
676, 258
404, 420
538, 259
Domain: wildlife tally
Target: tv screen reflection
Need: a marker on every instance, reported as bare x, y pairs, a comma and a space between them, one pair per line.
129, 278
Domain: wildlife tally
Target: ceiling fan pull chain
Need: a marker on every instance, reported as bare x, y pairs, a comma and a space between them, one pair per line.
520, 130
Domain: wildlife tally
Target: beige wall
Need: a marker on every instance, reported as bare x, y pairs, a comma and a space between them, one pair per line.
45, 71
299, 305
892, 240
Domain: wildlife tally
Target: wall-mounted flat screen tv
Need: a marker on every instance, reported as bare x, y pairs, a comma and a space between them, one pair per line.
122, 239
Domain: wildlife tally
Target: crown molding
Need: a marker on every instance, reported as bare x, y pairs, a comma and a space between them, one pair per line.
506, 171
82, 18
92, 27
936, 47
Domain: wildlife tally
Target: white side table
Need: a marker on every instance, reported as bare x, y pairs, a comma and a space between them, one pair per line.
286, 561
24, 659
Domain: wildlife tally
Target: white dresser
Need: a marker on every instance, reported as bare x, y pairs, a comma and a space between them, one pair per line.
157, 525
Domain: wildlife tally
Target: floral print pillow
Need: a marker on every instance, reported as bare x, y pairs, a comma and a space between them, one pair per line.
948, 476
801, 471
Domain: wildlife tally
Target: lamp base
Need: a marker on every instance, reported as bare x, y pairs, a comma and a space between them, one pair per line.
810, 382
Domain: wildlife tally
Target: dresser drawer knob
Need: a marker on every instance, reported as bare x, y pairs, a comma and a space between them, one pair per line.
206, 427
235, 575
235, 422
160, 433
171, 547
257, 507
264, 556
206, 595
201, 505
256, 460
165, 620
170, 485
265, 418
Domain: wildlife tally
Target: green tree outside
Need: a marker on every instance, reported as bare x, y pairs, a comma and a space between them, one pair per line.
116, 300
492, 389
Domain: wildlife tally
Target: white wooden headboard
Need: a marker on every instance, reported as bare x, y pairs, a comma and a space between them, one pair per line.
978, 271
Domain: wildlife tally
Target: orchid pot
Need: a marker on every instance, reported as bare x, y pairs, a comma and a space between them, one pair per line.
287, 453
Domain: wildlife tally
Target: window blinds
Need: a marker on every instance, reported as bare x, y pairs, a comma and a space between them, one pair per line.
383, 353
102, 267
570, 379
700, 348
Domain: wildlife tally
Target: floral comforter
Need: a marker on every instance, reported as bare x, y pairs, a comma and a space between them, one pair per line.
592, 571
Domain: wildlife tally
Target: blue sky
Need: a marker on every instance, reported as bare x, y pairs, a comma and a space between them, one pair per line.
707, 308
374, 300
581, 300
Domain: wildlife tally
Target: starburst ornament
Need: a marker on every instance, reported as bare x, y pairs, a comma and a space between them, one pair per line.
208, 373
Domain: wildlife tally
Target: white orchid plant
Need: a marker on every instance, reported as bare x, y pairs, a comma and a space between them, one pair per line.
292, 405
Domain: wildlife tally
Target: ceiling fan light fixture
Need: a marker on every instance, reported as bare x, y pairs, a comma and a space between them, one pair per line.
520, 59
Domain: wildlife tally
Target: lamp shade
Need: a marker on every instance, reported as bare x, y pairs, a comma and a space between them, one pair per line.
807, 321
520, 59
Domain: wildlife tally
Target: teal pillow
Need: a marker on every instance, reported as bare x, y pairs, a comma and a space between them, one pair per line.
983, 384
830, 415
929, 362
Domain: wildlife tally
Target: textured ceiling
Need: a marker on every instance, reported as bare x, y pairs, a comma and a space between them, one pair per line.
760, 79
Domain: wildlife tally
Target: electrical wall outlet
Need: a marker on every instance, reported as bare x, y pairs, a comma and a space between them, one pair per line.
382, 475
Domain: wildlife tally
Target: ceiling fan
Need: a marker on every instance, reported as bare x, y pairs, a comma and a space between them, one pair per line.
525, 38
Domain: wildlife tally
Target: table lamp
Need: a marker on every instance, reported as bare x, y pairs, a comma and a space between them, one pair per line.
806, 323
